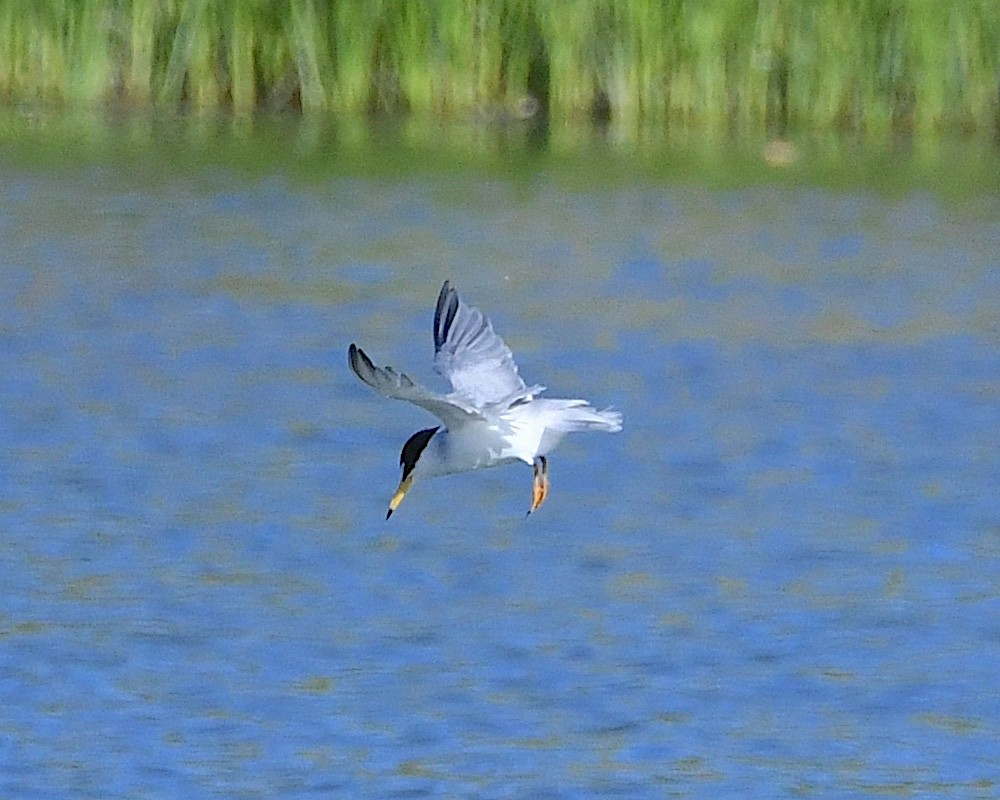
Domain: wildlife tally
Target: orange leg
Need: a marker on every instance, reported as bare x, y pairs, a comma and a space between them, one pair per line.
540, 485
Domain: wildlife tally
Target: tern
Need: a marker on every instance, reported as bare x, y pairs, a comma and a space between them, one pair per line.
490, 417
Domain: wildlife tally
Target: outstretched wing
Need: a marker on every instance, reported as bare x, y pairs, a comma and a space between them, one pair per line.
397, 385
471, 355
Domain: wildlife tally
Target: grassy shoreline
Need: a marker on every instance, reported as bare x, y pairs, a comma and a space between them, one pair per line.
858, 65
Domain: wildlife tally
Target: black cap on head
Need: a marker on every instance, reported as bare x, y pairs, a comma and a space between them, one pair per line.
413, 448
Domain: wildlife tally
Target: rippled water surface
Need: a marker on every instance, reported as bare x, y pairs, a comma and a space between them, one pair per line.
781, 579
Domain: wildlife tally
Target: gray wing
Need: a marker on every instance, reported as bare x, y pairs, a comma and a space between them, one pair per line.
397, 385
471, 355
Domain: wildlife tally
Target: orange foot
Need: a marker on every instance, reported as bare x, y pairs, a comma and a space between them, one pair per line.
540, 486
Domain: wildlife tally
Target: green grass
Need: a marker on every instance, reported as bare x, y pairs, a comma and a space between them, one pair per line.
867, 65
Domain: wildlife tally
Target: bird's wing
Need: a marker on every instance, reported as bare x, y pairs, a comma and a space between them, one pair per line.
471, 355
397, 385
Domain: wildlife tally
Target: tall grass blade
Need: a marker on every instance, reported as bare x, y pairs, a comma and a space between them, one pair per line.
875, 65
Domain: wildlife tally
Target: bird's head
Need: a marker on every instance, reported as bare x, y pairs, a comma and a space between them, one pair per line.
408, 458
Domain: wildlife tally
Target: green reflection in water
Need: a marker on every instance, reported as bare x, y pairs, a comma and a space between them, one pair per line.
582, 156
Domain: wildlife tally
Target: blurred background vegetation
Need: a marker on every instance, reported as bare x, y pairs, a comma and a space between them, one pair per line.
855, 65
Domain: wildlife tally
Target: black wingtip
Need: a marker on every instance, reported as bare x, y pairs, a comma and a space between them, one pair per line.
442, 300
360, 364
439, 312
360, 356
388, 514
355, 358
444, 314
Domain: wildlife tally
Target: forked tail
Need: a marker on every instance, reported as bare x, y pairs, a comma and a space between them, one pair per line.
578, 415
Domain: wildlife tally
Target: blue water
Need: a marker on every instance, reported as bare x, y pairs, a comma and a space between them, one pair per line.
781, 579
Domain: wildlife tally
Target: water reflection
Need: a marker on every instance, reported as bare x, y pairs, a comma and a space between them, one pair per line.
780, 577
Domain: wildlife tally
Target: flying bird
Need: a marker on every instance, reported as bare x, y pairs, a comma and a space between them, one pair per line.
490, 417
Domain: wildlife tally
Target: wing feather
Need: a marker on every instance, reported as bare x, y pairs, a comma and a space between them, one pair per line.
388, 382
472, 356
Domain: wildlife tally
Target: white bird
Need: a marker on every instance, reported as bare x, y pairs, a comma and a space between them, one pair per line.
491, 417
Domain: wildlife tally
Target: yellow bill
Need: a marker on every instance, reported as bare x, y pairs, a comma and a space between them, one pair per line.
404, 487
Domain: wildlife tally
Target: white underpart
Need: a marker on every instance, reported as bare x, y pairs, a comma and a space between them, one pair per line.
521, 433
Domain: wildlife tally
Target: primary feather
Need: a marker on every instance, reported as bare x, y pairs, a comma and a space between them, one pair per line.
470, 354
386, 381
